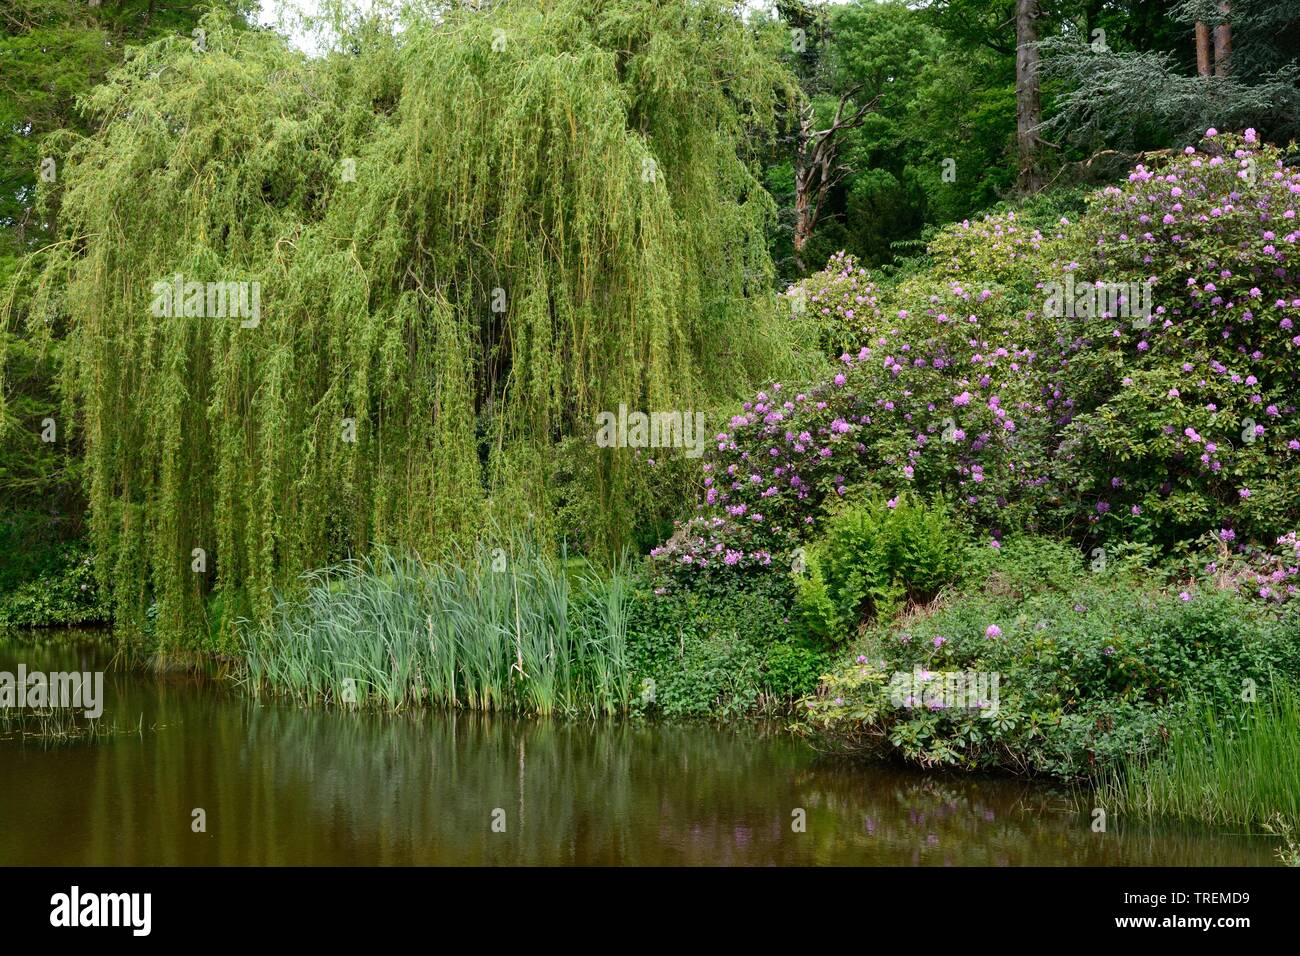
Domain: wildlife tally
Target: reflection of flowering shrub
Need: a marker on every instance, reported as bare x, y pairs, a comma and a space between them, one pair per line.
1096, 426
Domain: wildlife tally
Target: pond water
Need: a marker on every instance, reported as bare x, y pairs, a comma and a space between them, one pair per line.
283, 785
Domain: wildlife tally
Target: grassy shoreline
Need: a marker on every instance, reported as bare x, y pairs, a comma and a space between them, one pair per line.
1233, 768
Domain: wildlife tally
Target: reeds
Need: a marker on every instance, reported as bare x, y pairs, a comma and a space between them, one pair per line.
495, 629
1239, 769
57, 725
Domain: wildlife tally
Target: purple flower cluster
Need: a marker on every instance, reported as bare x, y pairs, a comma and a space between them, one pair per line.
929, 404
1194, 412
1099, 426
841, 300
1266, 574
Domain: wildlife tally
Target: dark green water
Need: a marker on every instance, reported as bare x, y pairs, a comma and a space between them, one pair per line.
282, 785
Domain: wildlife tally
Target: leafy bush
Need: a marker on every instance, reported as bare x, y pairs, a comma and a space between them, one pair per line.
64, 594
874, 557
1091, 666
792, 670
722, 649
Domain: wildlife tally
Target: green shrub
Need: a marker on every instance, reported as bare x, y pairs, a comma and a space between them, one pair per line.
1092, 666
793, 670
64, 594
720, 648
872, 559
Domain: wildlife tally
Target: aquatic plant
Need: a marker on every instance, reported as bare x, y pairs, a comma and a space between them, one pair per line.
489, 629
1232, 766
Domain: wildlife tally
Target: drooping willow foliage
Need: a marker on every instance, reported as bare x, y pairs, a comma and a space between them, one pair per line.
469, 236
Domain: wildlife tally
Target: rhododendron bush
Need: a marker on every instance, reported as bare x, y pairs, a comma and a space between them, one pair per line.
1267, 573
1090, 668
1190, 423
1096, 425
841, 300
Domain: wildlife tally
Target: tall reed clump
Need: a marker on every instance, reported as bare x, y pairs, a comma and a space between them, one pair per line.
494, 629
1221, 768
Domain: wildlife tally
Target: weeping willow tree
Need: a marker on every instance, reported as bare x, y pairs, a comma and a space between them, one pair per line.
456, 243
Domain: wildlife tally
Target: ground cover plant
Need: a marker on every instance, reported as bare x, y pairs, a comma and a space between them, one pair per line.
1094, 666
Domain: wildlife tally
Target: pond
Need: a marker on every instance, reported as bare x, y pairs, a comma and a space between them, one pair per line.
281, 785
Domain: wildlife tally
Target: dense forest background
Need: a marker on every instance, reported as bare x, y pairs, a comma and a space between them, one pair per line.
921, 104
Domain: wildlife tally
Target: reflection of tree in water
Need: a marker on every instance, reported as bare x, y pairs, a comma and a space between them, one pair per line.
646, 794
571, 792
288, 786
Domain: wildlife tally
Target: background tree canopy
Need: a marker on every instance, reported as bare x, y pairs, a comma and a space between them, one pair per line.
1118, 79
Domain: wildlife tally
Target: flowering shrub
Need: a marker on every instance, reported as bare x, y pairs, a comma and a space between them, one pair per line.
841, 301
1091, 667
1189, 424
1103, 428
940, 399
1270, 574
65, 595
998, 248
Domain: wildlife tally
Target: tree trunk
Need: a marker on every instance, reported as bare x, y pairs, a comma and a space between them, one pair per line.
1202, 49
803, 219
1223, 41
1029, 106
817, 167
813, 181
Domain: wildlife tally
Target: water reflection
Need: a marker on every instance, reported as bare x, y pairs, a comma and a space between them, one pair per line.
286, 786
